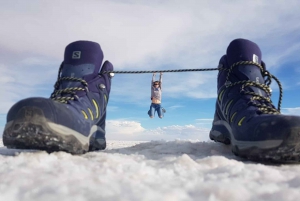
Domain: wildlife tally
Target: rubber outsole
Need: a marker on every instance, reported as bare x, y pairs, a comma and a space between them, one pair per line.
283, 151
31, 130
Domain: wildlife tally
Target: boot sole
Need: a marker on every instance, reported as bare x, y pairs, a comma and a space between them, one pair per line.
31, 130
278, 151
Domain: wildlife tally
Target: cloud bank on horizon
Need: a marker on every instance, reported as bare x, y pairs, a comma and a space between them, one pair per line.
141, 35
131, 130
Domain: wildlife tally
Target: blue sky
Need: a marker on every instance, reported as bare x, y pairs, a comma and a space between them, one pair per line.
148, 35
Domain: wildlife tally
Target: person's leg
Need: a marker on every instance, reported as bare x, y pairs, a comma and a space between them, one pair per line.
245, 117
159, 111
151, 111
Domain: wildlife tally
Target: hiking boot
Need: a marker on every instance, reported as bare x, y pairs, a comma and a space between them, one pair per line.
245, 116
73, 118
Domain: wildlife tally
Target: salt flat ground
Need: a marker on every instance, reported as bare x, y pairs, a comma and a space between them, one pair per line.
134, 170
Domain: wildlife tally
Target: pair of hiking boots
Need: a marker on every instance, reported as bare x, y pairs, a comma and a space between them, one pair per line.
73, 118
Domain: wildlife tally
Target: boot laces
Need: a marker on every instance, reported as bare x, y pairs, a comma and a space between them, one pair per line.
263, 103
68, 93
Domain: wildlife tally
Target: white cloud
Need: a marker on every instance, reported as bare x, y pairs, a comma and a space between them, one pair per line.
291, 111
135, 32
124, 127
192, 85
132, 130
112, 108
204, 122
2, 119
175, 107
22, 81
146, 35
127, 32
138, 35
36, 61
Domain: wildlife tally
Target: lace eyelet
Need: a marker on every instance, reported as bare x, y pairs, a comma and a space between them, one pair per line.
111, 75
227, 83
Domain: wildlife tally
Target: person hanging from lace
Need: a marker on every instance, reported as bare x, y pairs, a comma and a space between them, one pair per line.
156, 92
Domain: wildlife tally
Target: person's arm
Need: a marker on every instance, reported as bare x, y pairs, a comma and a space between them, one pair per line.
153, 79
160, 80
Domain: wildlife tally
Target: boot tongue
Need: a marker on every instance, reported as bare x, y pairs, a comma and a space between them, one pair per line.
245, 50
83, 60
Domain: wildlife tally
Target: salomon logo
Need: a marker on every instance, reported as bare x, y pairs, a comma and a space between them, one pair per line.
76, 55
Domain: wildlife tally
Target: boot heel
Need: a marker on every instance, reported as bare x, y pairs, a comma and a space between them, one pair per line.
220, 133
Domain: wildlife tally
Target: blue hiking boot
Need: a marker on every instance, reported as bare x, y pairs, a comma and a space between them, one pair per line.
245, 116
73, 118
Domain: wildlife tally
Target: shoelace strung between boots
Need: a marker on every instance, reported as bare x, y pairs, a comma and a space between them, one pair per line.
264, 107
68, 93
264, 102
